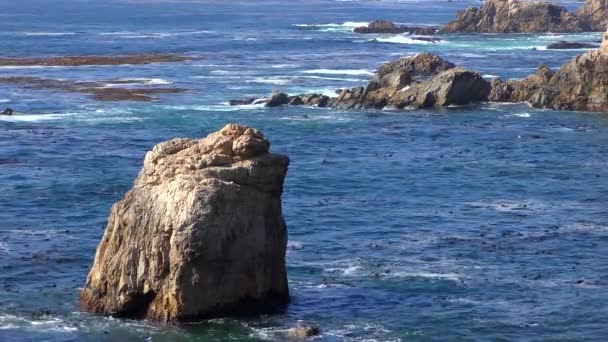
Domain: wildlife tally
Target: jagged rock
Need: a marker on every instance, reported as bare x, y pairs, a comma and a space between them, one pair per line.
514, 16
200, 234
277, 99
456, 86
595, 14
384, 26
422, 64
563, 45
302, 332
520, 90
581, 84
400, 73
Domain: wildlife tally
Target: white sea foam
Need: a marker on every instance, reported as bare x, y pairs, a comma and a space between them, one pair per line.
45, 324
523, 115
5, 100
270, 80
283, 66
489, 76
152, 35
121, 82
403, 40
350, 24
334, 78
339, 72
48, 34
32, 117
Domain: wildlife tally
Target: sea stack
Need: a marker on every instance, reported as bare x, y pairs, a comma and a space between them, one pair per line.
201, 233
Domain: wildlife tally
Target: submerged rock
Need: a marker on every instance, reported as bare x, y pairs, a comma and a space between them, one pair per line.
515, 16
384, 26
564, 45
94, 60
98, 89
200, 234
302, 332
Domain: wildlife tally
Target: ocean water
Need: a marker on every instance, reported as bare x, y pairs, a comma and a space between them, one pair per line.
483, 222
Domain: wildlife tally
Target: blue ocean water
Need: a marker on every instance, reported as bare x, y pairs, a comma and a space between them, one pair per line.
482, 222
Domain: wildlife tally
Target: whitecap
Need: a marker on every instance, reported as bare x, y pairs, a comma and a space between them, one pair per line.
523, 115
121, 82
5, 100
269, 80
340, 72
403, 40
490, 76
32, 117
48, 34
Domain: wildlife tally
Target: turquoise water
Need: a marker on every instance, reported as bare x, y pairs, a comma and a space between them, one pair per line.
469, 223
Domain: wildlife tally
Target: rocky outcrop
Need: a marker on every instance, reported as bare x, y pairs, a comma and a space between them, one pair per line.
452, 87
422, 80
200, 234
595, 14
563, 45
515, 16
581, 84
384, 26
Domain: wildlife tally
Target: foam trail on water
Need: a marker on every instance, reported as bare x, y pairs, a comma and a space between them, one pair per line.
339, 72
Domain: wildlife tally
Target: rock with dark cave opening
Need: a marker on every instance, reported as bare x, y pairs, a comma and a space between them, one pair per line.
201, 233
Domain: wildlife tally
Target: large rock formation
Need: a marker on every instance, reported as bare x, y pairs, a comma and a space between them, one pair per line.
595, 14
581, 84
384, 26
422, 80
201, 233
515, 16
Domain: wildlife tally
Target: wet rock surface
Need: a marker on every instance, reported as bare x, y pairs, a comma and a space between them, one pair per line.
201, 233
